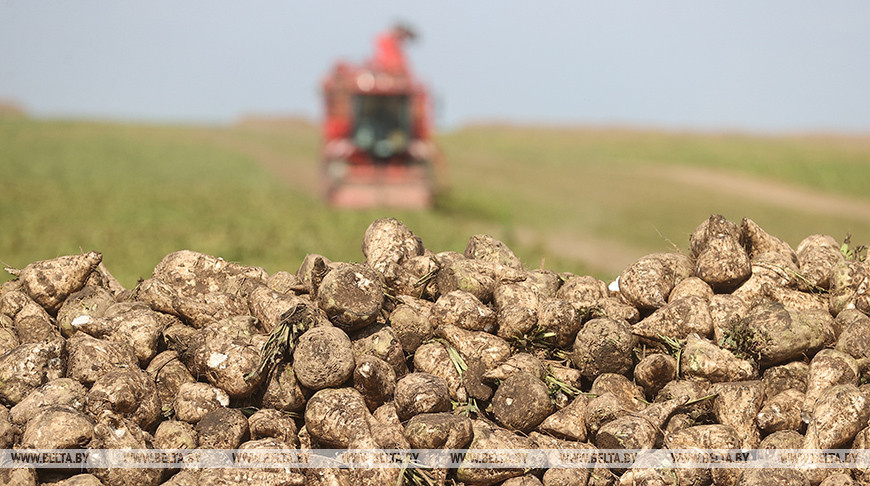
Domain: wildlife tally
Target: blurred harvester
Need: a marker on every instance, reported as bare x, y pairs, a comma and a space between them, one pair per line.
377, 133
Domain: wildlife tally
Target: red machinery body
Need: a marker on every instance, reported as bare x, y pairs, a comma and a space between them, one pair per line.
377, 148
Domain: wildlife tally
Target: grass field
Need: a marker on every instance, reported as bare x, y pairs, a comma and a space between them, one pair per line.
586, 200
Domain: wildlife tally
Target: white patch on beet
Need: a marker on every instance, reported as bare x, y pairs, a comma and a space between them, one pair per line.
80, 320
362, 282
222, 397
215, 360
508, 401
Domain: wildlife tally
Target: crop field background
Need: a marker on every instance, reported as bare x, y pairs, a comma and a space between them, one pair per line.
584, 200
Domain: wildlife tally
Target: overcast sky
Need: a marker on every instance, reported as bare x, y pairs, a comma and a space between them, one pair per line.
771, 65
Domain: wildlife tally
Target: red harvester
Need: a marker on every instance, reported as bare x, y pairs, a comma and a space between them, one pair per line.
377, 139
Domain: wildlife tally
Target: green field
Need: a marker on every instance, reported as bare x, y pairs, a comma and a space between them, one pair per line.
586, 200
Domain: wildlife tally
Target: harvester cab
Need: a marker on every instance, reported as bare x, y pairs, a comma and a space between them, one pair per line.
377, 149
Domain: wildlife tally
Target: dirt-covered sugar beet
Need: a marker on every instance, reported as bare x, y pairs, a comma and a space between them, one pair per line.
629, 394
351, 296
268, 422
490, 350
380, 341
640, 430
174, 434
411, 324
194, 400
486, 437
168, 374
720, 258
676, 320
775, 333
62, 392
781, 412
337, 417
375, 379
418, 393
323, 358
704, 360
462, 309
226, 361
222, 428
521, 402
648, 282
569, 422
50, 282
90, 301
128, 393
57, 428
282, 390
28, 366
518, 363
737, 404
434, 358
604, 346
438, 430
90, 358
388, 243
473, 276
561, 319
113, 432
654, 371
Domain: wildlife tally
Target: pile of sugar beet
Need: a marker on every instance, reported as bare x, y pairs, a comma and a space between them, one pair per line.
741, 342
